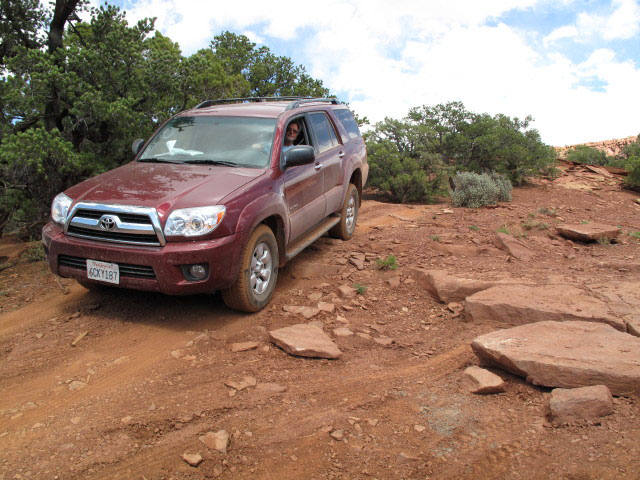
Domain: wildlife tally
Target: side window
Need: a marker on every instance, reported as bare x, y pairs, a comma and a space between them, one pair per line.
323, 130
349, 123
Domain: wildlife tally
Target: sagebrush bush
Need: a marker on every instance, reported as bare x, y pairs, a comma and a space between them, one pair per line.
632, 180
475, 190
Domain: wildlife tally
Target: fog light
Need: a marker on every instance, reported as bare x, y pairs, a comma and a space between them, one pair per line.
198, 271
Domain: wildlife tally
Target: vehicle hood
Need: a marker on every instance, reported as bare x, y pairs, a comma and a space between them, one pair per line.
163, 186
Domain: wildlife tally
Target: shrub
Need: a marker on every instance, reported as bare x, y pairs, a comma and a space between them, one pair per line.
475, 190
360, 289
633, 179
388, 263
584, 154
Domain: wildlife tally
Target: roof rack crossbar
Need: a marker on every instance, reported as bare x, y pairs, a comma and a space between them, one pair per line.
297, 103
209, 103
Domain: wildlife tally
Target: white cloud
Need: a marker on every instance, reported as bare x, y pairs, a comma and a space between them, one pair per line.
623, 23
385, 57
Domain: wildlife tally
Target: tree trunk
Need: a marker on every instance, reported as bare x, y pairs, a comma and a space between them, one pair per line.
63, 10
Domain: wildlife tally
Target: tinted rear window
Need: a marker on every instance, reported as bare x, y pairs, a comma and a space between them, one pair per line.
349, 123
325, 136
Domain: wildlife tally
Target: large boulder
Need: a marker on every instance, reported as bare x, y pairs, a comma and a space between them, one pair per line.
447, 288
588, 232
566, 355
518, 304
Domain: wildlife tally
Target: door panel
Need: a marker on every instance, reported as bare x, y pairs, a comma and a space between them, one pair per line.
303, 190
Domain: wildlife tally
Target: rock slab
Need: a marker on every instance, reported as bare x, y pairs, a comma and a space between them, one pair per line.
481, 381
514, 247
519, 304
565, 355
588, 232
447, 288
305, 340
216, 440
585, 403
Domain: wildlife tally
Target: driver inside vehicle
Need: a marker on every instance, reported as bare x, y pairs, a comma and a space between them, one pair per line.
291, 134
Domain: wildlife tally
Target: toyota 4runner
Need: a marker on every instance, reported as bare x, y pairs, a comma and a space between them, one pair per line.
214, 200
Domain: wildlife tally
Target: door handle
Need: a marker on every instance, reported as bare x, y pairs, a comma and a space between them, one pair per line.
318, 166
341, 154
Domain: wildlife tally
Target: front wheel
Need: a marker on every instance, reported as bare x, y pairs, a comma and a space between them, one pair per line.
349, 215
258, 274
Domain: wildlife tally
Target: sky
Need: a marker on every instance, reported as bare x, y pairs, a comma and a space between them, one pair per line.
572, 65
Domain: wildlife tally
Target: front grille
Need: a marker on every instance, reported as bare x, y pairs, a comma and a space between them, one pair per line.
129, 225
112, 236
125, 217
126, 269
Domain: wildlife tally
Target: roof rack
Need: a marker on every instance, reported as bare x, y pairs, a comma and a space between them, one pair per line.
297, 103
208, 103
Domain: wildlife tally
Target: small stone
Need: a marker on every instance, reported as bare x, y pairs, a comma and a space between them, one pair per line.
216, 440
37, 425
270, 388
314, 297
126, 419
39, 335
246, 382
384, 341
75, 420
455, 307
77, 384
342, 332
243, 346
585, 403
345, 291
305, 341
193, 459
177, 353
78, 338
394, 282
337, 435
419, 428
373, 422
403, 458
326, 307
341, 319
481, 381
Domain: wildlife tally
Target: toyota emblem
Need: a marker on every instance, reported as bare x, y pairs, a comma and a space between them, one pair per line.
107, 222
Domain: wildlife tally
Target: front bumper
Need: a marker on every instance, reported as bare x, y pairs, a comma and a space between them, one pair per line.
165, 273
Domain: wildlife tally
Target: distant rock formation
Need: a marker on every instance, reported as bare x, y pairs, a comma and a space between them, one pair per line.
609, 147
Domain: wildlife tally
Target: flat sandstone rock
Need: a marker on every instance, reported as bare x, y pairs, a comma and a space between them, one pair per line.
565, 355
447, 288
305, 340
519, 304
588, 232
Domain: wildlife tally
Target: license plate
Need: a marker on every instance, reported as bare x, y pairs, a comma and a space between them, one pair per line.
103, 271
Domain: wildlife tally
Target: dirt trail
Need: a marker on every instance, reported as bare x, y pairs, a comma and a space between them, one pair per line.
148, 378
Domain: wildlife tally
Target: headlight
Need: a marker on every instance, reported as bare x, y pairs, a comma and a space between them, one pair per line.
193, 222
60, 208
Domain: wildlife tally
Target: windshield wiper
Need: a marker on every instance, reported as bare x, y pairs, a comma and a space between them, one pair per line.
156, 160
212, 162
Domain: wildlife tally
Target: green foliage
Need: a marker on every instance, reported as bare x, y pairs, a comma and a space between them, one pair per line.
549, 211
74, 99
474, 190
589, 155
35, 253
504, 229
389, 263
410, 157
360, 289
475, 228
435, 238
635, 235
535, 225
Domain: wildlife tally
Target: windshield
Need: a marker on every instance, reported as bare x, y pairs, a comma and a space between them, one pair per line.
232, 141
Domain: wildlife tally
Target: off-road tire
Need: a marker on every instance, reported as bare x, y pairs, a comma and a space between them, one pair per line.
242, 295
349, 215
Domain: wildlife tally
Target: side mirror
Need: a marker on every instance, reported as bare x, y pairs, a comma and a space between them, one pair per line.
137, 145
300, 155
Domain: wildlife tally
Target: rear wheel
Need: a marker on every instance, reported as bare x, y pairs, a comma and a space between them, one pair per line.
258, 274
349, 215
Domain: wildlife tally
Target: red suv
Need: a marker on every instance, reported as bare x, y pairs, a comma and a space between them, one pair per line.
219, 198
